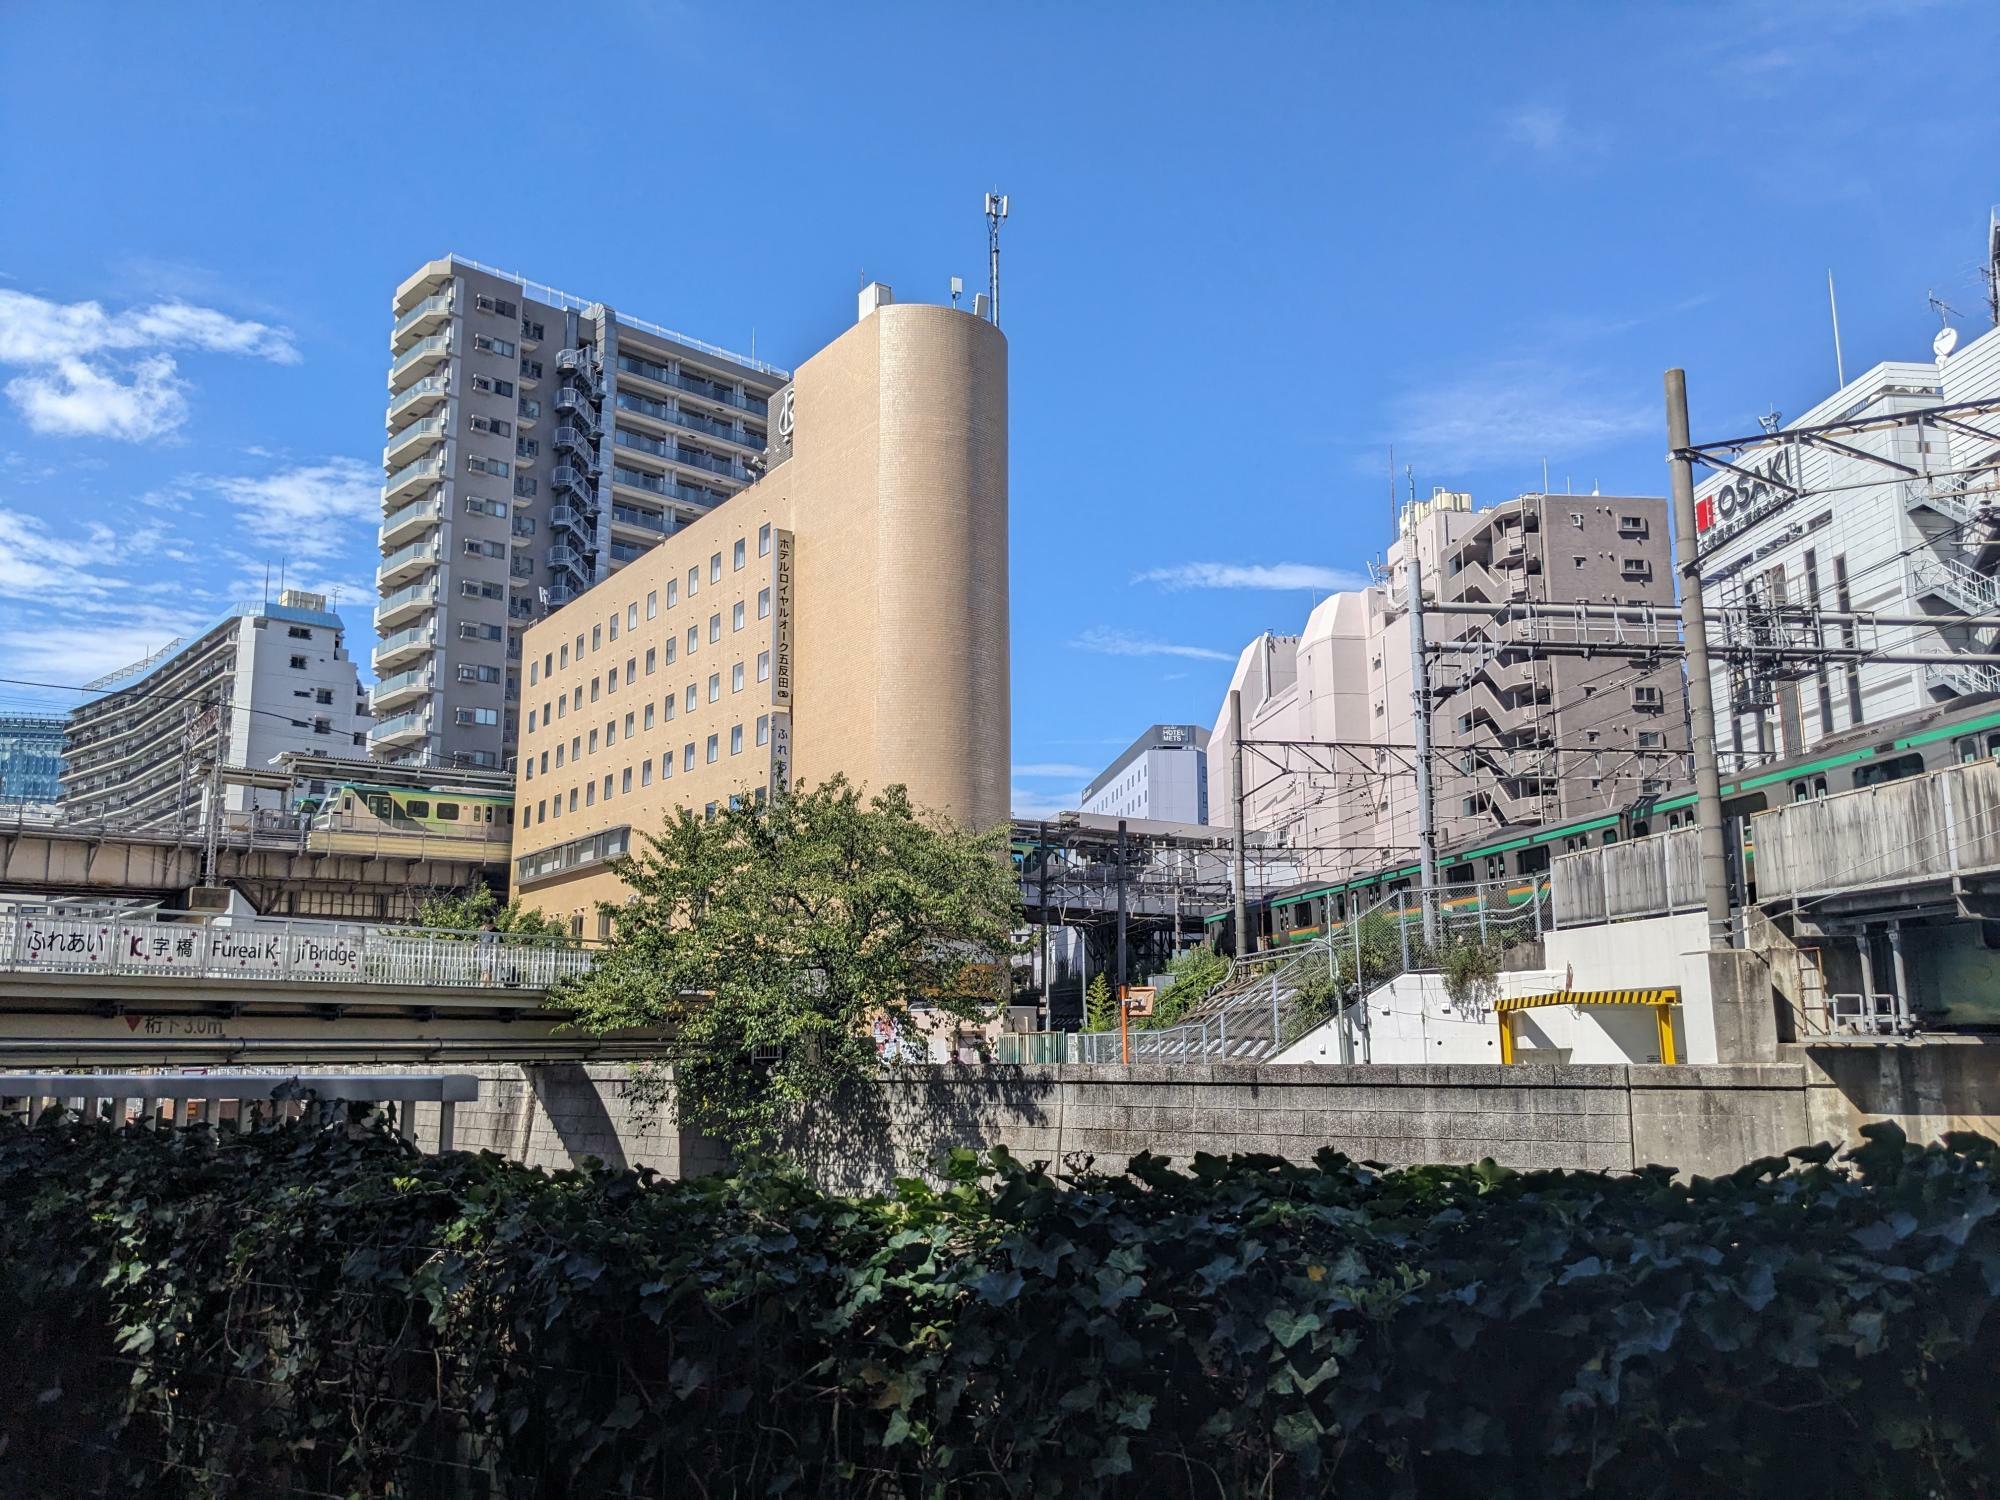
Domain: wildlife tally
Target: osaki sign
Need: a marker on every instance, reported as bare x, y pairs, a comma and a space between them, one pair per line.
1746, 496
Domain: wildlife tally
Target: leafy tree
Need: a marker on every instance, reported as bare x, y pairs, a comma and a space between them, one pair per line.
476, 907
767, 940
1100, 1011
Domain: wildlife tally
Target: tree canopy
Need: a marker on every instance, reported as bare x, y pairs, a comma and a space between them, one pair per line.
476, 907
769, 940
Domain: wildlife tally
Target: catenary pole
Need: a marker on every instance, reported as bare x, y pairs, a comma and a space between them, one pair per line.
1420, 711
1236, 802
1701, 693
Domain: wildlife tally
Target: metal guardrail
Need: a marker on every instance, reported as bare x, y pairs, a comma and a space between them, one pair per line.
168, 1100
263, 949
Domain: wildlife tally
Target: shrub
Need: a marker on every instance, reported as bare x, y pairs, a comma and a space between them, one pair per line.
295, 1312
1100, 1010
1191, 978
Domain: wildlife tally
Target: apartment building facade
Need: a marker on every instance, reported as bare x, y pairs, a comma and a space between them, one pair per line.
1520, 737
537, 443
30, 758
1162, 775
845, 613
1916, 532
268, 679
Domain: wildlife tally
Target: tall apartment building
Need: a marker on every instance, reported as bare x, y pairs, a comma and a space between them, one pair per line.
1162, 775
30, 758
270, 678
1518, 741
1919, 538
537, 442
845, 613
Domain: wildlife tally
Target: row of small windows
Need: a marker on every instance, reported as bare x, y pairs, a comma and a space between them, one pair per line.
552, 660
559, 708
621, 781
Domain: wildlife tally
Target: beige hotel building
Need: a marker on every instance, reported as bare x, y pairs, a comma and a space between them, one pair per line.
847, 612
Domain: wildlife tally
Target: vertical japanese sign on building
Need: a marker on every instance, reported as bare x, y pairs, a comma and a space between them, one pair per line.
783, 572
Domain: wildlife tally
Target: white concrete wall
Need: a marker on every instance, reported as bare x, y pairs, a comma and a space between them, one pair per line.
1643, 954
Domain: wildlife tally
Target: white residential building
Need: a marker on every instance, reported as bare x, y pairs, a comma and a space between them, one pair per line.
269, 678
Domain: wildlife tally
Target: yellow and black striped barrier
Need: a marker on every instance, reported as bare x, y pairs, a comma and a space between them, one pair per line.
1662, 999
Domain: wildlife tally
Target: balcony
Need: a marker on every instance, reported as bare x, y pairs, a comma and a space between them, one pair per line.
520, 571
421, 397
403, 688
403, 647
419, 360
401, 730
421, 319
410, 478
407, 562
708, 390
642, 520
624, 552
404, 525
403, 446
532, 333
523, 532
406, 603
652, 484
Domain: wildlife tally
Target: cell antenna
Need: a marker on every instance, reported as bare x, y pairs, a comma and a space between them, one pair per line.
1993, 265
996, 214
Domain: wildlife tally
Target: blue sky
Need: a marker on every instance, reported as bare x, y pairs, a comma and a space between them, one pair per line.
1250, 248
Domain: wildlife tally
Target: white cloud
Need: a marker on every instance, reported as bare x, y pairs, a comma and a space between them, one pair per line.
308, 513
74, 398
1025, 803
1540, 127
1109, 642
1284, 575
1056, 770
71, 654
90, 373
37, 565
1518, 410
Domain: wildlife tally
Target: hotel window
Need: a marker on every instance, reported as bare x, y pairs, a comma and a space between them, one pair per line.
652, 658
576, 747
590, 794
631, 671
687, 756
572, 799
763, 666
694, 637
736, 558
631, 719
649, 716
714, 686
559, 757
607, 786
559, 810
614, 630
576, 696
666, 765
715, 568
545, 760
531, 721
534, 673
596, 637
763, 729
610, 734
593, 742
714, 748
694, 581
736, 678
652, 604
645, 772
693, 697
542, 810
673, 650
673, 592
670, 707
530, 770
579, 646
594, 684
714, 629
764, 540
625, 780
631, 617
562, 708
736, 615
548, 665
611, 681
763, 604
565, 655
735, 739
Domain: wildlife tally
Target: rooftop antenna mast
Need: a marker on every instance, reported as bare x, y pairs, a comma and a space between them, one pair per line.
1833, 306
996, 214
1993, 266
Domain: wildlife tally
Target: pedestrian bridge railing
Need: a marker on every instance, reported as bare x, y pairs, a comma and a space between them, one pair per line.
245, 1101
154, 945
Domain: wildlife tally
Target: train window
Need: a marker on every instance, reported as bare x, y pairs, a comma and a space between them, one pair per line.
1458, 875
1534, 860
381, 806
1640, 829
1496, 866
1973, 747
1808, 788
1889, 770
417, 809
447, 812
1610, 836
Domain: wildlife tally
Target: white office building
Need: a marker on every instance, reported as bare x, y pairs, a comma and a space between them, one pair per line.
1163, 775
1817, 521
269, 678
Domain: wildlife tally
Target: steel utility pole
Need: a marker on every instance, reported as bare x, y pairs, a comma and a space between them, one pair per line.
1701, 694
1042, 845
1122, 977
1236, 801
1420, 706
